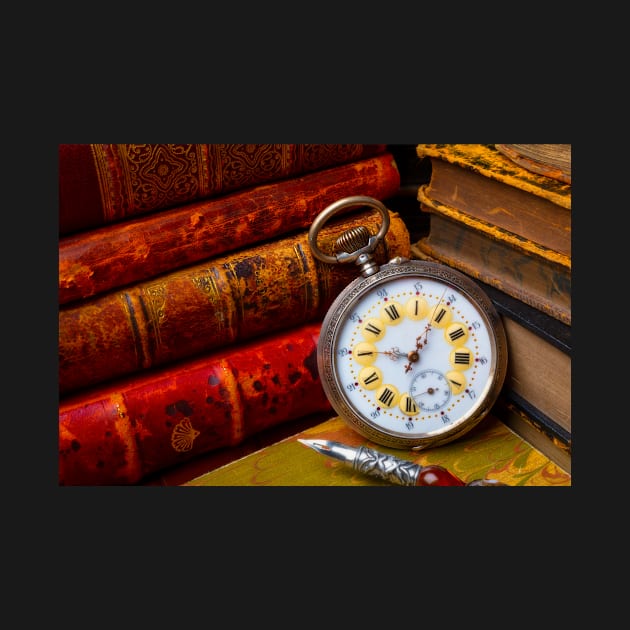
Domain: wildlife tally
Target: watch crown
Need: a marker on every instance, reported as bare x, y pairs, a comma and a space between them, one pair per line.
353, 240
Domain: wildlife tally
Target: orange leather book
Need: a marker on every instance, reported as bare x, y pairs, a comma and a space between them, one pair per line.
104, 183
244, 294
118, 434
96, 261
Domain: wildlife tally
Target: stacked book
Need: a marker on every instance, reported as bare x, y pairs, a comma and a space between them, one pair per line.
189, 300
501, 215
490, 451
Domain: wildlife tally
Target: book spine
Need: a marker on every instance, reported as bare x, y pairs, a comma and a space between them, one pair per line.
120, 433
500, 204
539, 351
533, 274
489, 162
423, 250
94, 262
552, 330
104, 183
536, 418
238, 296
493, 231
536, 429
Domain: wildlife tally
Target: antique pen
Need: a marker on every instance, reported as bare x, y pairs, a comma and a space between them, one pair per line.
390, 468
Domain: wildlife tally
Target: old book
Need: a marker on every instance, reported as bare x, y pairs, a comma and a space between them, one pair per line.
104, 183
181, 472
246, 293
550, 160
119, 433
490, 451
96, 261
539, 363
534, 274
479, 181
533, 426
487, 160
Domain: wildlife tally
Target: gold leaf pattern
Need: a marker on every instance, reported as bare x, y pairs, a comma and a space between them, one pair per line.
156, 303
183, 436
136, 178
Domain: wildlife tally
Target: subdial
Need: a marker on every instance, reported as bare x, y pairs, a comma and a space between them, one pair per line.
430, 390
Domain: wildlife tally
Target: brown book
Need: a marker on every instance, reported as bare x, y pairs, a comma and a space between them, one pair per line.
538, 376
521, 268
481, 182
104, 183
550, 160
539, 372
532, 426
488, 160
96, 261
120, 433
247, 293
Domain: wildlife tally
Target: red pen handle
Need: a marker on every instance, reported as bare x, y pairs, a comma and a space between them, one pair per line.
437, 476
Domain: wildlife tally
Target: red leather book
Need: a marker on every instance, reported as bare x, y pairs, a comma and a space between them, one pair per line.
96, 261
118, 434
104, 183
240, 295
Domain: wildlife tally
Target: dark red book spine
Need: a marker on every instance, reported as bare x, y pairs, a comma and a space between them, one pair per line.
99, 260
120, 433
105, 183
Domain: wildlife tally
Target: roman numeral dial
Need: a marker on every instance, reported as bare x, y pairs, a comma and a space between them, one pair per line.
435, 377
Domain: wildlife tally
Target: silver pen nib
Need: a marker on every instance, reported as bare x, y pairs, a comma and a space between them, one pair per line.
336, 450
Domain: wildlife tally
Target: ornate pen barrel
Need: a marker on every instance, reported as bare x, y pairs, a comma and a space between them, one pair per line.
402, 472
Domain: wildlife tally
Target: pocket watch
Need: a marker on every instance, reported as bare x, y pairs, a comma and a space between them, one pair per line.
412, 354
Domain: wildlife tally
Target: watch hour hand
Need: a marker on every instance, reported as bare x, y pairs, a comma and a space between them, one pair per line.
414, 355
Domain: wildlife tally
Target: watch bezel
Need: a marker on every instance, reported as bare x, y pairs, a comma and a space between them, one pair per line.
326, 350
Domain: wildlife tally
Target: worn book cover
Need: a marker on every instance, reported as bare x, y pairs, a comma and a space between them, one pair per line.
525, 270
244, 294
488, 161
119, 433
489, 451
106, 183
496, 200
550, 160
539, 360
535, 427
95, 261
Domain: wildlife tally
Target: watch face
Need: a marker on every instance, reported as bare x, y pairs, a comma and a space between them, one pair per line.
412, 356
